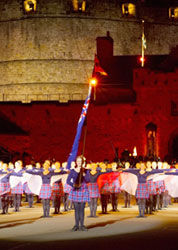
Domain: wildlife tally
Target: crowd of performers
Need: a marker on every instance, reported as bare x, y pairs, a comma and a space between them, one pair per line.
152, 183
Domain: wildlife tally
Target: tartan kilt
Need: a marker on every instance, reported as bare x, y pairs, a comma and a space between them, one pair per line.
160, 187
105, 188
27, 189
142, 191
151, 187
45, 192
80, 195
115, 187
57, 190
17, 189
93, 190
67, 188
4, 188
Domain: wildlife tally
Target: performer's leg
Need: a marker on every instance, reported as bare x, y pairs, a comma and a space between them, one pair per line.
44, 207
58, 204
139, 207
147, 205
161, 201
18, 201
32, 198
66, 202
95, 207
154, 202
91, 207
106, 202
113, 201
143, 207
7, 204
55, 203
3, 203
116, 201
102, 202
157, 201
82, 216
15, 201
151, 204
128, 199
47, 207
76, 207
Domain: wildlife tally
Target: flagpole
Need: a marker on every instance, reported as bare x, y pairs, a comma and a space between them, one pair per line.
143, 38
85, 125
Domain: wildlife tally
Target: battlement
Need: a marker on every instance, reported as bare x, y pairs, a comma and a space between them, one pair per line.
106, 9
146, 78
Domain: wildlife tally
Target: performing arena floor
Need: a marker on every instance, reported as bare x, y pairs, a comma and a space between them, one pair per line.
115, 230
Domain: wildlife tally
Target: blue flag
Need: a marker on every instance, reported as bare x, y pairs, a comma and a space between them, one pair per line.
74, 150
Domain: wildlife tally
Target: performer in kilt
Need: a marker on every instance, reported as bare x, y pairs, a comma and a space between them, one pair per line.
17, 191
57, 190
46, 189
79, 194
142, 188
4, 188
114, 189
67, 189
93, 189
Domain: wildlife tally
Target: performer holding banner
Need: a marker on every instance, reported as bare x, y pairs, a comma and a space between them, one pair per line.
142, 192
79, 194
46, 186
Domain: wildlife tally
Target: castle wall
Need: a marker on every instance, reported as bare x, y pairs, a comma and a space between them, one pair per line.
55, 45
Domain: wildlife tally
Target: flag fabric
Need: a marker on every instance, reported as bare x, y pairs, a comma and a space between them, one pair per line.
144, 41
98, 68
74, 150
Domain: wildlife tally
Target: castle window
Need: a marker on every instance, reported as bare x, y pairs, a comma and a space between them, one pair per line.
79, 5
173, 13
129, 9
30, 6
174, 108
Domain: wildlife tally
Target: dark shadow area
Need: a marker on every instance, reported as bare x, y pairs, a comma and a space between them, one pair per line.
159, 238
18, 223
103, 224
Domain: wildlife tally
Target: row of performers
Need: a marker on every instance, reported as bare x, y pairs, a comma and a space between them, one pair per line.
86, 184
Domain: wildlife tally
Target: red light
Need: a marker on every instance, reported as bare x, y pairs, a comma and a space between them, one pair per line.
93, 81
142, 59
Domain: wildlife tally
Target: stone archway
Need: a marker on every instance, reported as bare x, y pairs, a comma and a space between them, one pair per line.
151, 145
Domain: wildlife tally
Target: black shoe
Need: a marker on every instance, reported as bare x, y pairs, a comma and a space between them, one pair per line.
75, 228
139, 216
90, 216
83, 228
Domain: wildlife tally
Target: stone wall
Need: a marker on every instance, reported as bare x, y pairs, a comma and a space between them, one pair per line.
55, 47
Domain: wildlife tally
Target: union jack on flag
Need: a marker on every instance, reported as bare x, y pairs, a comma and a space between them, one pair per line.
84, 109
75, 146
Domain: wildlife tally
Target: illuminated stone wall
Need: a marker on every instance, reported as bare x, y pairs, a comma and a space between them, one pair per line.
48, 55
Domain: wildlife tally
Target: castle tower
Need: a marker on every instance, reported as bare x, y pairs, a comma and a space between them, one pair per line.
47, 54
